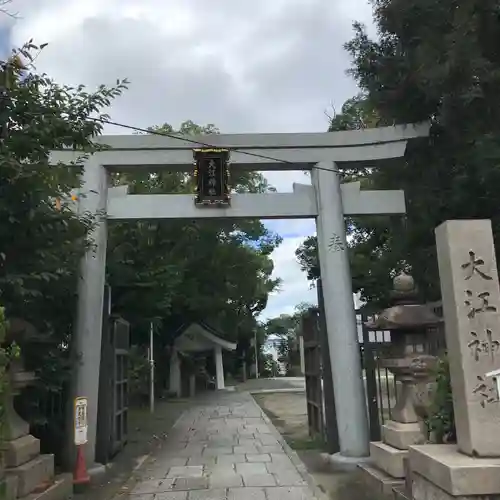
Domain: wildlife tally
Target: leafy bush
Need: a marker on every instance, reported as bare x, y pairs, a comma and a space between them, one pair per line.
441, 423
138, 374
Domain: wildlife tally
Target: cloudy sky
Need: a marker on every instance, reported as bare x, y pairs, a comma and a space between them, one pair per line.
244, 65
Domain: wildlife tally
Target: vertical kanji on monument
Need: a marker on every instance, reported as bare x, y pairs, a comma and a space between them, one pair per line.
471, 298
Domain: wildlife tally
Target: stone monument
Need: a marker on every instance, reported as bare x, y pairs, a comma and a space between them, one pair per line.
471, 303
409, 360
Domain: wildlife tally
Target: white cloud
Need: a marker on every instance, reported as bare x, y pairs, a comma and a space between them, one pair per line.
245, 65
295, 287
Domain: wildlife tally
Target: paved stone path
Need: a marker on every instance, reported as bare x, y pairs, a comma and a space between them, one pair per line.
223, 449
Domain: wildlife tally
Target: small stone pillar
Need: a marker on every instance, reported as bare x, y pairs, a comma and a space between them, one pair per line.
175, 373
192, 385
219, 368
471, 307
411, 364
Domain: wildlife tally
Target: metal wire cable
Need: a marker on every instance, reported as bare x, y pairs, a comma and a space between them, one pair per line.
205, 144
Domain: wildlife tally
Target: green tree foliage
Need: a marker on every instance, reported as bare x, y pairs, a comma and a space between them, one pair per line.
371, 243
433, 61
41, 240
40, 243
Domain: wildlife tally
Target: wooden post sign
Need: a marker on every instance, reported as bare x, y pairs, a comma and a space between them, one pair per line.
211, 173
81, 421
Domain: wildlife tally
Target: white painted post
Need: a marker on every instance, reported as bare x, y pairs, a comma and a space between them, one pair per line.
88, 332
175, 373
350, 400
302, 355
219, 367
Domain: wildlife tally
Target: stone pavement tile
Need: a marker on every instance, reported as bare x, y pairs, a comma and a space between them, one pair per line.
201, 460
281, 458
289, 493
245, 449
220, 469
231, 459
165, 465
172, 495
251, 469
270, 448
289, 478
201, 439
232, 422
186, 471
155, 486
263, 429
221, 441
254, 420
216, 481
246, 432
220, 494
259, 480
221, 450
248, 441
278, 468
267, 439
187, 452
190, 483
157, 474
259, 458
246, 494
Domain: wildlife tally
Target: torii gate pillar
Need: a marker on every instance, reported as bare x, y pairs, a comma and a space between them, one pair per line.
347, 375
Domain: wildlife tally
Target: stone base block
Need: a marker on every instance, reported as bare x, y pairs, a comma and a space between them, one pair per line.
21, 450
389, 459
402, 436
378, 482
400, 493
456, 474
61, 489
423, 489
9, 488
33, 474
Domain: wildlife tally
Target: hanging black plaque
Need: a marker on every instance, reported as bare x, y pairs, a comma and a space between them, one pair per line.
211, 172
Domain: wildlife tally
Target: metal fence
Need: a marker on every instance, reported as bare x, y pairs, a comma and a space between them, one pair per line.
45, 409
380, 384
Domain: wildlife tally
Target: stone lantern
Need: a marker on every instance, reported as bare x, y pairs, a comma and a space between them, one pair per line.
28, 474
409, 360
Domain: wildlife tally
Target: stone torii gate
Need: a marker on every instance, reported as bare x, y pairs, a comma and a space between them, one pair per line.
327, 200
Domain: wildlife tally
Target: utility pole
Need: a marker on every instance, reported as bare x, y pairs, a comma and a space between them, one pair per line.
152, 371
